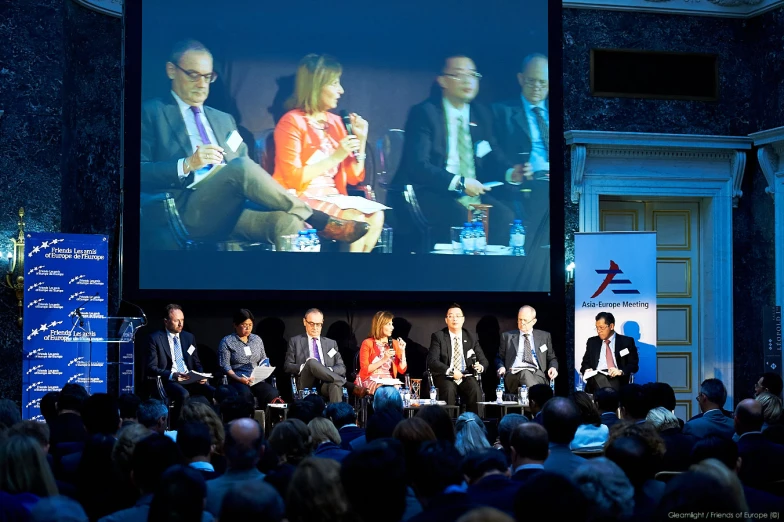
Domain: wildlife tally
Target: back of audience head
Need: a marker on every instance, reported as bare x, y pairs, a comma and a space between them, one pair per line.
560, 418
412, 433
528, 445
71, 398
607, 400
770, 382
712, 394
485, 514
129, 407
634, 402
179, 496
100, 414
634, 456
470, 433
589, 413
715, 447
315, 493
660, 394
244, 440
304, 410
748, 416
23, 468
322, 430
695, 492
127, 438
224, 392
440, 421
58, 509
506, 427
291, 441
383, 461
550, 497
771, 407
610, 494
479, 464
539, 395
37, 430
382, 424
236, 407
437, 467
152, 414
152, 456
10, 413
198, 412
49, 406
726, 476
662, 419
387, 397
341, 414
253, 500
194, 441
319, 404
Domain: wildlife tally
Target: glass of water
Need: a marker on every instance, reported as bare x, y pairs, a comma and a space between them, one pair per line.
457, 246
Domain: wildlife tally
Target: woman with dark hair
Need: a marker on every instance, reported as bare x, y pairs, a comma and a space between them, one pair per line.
179, 497
380, 356
239, 353
591, 434
314, 153
439, 421
292, 443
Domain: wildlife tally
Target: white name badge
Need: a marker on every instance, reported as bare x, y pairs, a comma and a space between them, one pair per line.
246, 349
483, 149
332, 352
543, 348
191, 350
624, 352
234, 141
470, 353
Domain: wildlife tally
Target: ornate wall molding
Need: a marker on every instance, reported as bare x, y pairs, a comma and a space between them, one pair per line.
722, 8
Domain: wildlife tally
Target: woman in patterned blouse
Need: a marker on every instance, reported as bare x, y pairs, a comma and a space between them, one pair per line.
238, 354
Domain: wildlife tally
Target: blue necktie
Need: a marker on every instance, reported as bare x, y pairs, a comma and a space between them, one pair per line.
179, 363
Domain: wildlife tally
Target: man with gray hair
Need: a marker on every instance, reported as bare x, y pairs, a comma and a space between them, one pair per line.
712, 397
526, 355
153, 415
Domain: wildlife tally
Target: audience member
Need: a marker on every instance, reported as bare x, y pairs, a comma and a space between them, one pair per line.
677, 445
316, 493
726, 477
591, 433
695, 492
771, 409
24, 472
550, 497
236, 407
485, 514
129, 407
344, 418
122, 456
610, 494
412, 433
326, 440
304, 410
49, 406
763, 461
68, 426
634, 403
197, 412
506, 426
179, 497
37, 430
529, 449
374, 476
387, 398
255, 501
560, 417
10, 414
97, 481
440, 421
711, 399
153, 415
470, 434
380, 425
57, 509
244, 439
661, 395
608, 402
769, 382
487, 475
195, 443
438, 483
538, 396
291, 442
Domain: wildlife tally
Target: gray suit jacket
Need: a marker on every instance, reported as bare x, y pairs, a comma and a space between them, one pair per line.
510, 343
298, 352
218, 487
713, 422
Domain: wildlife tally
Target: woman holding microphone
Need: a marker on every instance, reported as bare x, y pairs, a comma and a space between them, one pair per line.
380, 356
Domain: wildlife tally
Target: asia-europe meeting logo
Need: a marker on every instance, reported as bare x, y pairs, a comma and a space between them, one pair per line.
609, 280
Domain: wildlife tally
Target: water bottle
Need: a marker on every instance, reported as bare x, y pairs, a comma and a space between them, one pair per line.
293, 388
499, 393
552, 385
467, 239
433, 394
406, 397
480, 240
313, 391
345, 395
302, 241
274, 383
524, 395
517, 238
305, 392
315, 242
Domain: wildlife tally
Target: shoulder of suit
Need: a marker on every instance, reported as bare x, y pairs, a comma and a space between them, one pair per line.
542, 332
156, 103
211, 111
327, 340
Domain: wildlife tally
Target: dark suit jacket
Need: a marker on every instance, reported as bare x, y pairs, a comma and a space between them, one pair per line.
349, 433
330, 450
524, 475
439, 358
159, 359
445, 508
511, 128
678, 450
298, 352
425, 152
497, 491
165, 141
762, 461
65, 428
510, 344
712, 422
610, 419
628, 363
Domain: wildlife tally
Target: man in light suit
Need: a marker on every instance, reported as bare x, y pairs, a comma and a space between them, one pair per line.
454, 359
613, 355
711, 399
182, 139
171, 354
527, 353
315, 360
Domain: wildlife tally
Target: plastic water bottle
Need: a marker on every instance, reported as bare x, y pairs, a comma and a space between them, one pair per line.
467, 239
552, 385
499, 393
294, 387
305, 392
345, 395
406, 397
315, 242
524, 395
274, 383
313, 391
480, 240
517, 238
433, 393
302, 241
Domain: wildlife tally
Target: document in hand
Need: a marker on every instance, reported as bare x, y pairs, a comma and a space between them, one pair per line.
261, 373
194, 377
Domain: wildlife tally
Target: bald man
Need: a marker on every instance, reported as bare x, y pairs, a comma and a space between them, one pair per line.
526, 355
762, 460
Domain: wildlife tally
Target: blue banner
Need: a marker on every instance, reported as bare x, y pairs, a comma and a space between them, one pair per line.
66, 300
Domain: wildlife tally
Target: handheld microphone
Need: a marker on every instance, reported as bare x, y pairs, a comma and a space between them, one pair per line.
347, 123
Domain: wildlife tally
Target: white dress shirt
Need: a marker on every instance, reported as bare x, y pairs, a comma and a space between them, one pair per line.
193, 135
603, 354
170, 336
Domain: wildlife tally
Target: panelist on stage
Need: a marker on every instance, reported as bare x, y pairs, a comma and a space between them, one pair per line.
612, 355
315, 155
171, 354
315, 359
380, 356
182, 140
239, 353
526, 356
454, 360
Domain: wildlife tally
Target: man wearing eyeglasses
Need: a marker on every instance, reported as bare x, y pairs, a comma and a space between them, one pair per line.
454, 360
610, 358
528, 354
450, 153
195, 153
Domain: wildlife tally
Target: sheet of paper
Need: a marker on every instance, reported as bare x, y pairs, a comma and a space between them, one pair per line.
387, 381
587, 375
365, 206
261, 373
212, 172
194, 377
492, 184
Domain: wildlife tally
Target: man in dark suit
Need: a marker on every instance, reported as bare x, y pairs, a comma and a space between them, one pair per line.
315, 360
607, 401
454, 360
487, 475
523, 132
450, 151
171, 354
711, 399
182, 140
344, 418
527, 354
612, 355
529, 448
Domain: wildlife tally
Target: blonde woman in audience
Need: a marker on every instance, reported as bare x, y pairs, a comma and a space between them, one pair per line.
771, 408
24, 471
326, 439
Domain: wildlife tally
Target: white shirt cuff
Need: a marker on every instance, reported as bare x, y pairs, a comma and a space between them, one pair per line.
300, 367
181, 169
509, 178
453, 183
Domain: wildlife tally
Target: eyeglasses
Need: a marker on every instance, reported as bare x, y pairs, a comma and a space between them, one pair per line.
194, 76
450, 317
602, 328
523, 321
533, 82
314, 325
465, 77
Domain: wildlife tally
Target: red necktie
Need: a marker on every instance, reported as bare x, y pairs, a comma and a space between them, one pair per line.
608, 354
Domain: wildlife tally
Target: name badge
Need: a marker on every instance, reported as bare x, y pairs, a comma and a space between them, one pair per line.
246, 349
483, 148
234, 141
332, 352
624, 352
543, 348
191, 350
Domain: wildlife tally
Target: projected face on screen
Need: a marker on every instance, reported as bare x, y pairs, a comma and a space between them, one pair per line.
277, 145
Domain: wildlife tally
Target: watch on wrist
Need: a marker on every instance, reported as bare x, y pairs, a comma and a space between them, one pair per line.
461, 184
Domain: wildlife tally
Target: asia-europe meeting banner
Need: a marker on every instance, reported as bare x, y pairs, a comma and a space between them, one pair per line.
616, 272
65, 300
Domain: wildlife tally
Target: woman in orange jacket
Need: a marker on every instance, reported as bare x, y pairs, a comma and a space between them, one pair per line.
314, 154
380, 356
